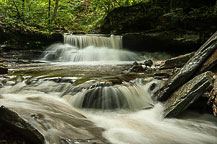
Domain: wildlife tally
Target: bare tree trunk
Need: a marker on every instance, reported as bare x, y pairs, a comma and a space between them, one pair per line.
215, 9
171, 5
55, 10
23, 8
49, 11
18, 12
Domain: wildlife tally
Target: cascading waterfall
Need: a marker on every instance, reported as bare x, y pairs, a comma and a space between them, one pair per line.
84, 48
47, 105
83, 41
106, 96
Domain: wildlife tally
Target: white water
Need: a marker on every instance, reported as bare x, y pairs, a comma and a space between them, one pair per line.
68, 53
56, 118
89, 48
149, 127
83, 41
122, 96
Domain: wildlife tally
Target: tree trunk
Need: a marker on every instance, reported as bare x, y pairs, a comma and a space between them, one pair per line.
55, 10
215, 9
23, 8
18, 12
49, 11
171, 5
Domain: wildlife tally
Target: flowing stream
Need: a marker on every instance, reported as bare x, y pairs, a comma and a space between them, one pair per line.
71, 103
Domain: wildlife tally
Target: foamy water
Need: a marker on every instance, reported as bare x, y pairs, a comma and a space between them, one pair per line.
149, 127
56, 114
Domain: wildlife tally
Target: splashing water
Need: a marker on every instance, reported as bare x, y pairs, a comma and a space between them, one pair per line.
149, 127
43, 106
106, 97
68, 53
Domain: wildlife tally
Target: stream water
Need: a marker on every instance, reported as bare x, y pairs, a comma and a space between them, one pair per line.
81, 89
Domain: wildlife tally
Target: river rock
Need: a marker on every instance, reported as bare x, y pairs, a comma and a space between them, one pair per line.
148, 63
136, 68
3, 70
188, 94
189, 69
13, 120
177, 62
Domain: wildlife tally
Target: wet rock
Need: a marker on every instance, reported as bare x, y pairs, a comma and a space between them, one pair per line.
189, 69
188, 94
57, 122
210, 63
51, 57
135, 63
100, 84
148, 63
177, 62
136, 68
213, 97
13, 120
3, 70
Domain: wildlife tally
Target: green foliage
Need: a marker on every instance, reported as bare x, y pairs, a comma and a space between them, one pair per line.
37, 15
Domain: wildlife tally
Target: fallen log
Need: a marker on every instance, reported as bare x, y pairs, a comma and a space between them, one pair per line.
189, 69
210, 63
188, 94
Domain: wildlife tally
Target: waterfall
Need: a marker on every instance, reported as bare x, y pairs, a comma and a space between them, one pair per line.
47, 106
84, 48
106, 96
83, 41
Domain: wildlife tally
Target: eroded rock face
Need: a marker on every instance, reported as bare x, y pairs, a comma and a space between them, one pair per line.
181, 41
187, 94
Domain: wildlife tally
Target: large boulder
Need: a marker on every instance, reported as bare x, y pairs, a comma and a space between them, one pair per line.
18, 124
46, 120
182, 98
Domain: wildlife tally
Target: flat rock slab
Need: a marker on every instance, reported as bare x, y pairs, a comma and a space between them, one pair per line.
187, 94
177, 62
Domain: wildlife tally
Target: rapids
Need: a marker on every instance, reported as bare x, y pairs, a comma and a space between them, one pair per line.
47, 107
70, 102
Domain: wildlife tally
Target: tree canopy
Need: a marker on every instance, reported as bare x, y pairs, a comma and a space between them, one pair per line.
48, 15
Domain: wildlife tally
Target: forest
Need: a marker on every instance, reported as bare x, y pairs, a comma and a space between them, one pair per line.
50, 15
108, 71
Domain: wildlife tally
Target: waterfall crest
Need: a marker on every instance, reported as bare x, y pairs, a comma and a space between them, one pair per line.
83, 41
84, 48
